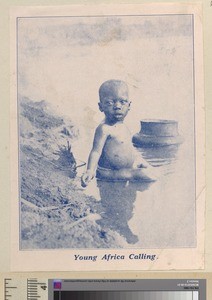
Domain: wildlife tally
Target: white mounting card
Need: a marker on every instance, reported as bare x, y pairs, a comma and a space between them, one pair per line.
140, 204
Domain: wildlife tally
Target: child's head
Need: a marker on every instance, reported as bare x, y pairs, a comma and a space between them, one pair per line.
114, 102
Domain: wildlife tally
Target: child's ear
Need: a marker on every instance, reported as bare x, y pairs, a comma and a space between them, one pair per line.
100, 106
129, 105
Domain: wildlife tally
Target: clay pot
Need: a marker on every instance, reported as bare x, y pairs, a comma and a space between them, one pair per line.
157, 133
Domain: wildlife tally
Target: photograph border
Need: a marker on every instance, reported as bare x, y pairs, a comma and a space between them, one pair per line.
163, 263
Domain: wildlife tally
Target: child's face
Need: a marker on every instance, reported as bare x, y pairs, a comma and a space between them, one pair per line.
116, 104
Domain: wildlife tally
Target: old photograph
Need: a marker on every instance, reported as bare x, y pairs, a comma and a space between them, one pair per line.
106, 131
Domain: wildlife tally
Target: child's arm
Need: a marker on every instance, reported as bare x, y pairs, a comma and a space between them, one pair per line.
98, 144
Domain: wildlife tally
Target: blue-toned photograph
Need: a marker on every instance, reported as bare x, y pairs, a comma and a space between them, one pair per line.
106, 127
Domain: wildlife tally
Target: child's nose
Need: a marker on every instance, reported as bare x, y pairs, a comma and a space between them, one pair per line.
117, 105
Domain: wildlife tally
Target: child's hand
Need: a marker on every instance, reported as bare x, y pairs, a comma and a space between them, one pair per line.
86, 178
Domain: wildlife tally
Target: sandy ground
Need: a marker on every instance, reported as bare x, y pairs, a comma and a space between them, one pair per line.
54, 210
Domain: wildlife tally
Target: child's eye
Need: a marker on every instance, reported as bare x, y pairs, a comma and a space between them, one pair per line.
110, 102
123, 102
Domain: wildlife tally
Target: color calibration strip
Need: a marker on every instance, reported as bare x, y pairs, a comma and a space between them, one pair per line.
104, 289
125, 295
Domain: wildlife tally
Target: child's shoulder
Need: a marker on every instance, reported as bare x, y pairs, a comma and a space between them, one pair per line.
103, 128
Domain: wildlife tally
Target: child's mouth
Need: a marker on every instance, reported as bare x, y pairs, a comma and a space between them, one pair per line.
118, 116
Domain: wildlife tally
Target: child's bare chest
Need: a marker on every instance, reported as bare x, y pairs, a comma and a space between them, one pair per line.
118, 149
120, 135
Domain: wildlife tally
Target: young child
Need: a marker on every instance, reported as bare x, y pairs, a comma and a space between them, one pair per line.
113, 156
